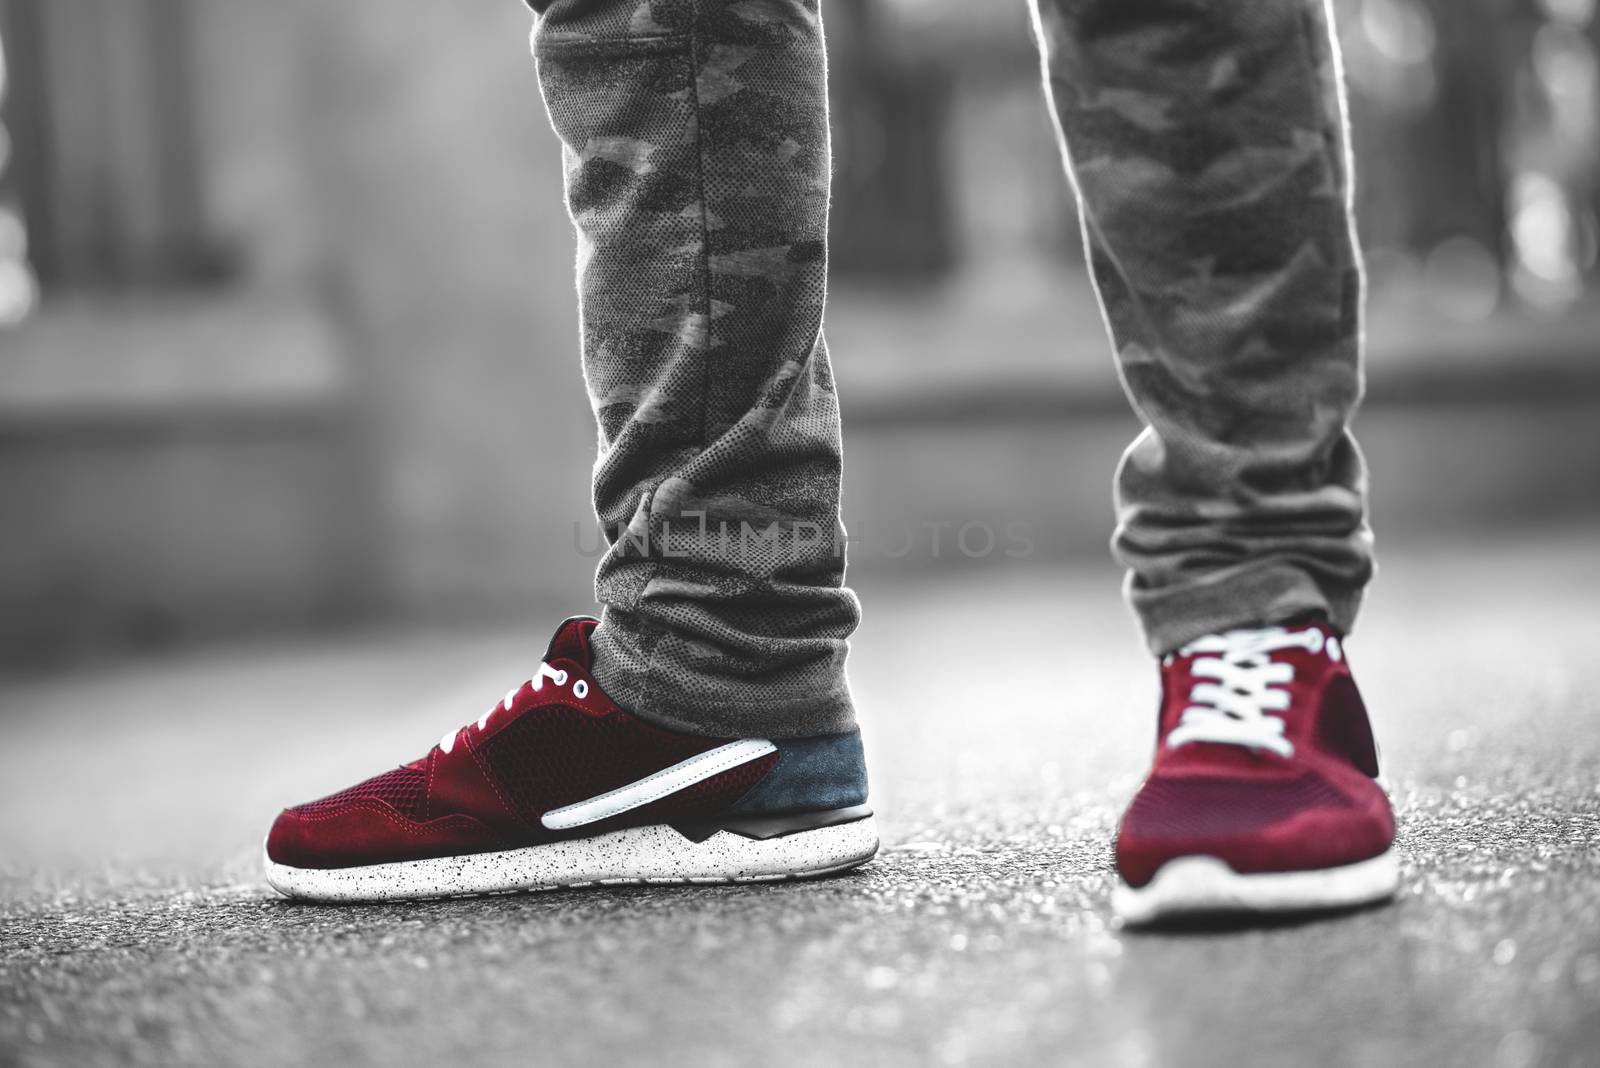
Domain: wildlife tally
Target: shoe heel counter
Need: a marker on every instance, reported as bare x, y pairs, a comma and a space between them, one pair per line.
812, 774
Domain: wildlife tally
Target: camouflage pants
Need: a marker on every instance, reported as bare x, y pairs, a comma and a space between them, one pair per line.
1207, 145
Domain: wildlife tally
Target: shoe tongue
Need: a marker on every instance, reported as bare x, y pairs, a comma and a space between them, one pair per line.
571, 641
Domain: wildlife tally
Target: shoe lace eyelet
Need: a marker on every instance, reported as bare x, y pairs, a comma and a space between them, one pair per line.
580, 689
561, 677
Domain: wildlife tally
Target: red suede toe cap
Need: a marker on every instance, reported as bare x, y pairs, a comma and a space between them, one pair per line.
369, 832
1276, 824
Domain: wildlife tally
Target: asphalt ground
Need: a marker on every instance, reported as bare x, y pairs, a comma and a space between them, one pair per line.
1007, 713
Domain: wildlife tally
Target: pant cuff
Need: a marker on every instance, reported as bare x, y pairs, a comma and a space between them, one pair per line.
692, 703
1252, 594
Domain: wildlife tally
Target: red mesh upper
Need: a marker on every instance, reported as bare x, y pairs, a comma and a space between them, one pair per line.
561, 755
404, 789
1172, 806
704, 799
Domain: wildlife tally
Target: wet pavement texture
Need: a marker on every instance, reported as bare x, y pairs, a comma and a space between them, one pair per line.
1008, 715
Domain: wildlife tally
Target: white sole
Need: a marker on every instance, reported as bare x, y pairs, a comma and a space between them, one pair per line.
1204, 885
653, 854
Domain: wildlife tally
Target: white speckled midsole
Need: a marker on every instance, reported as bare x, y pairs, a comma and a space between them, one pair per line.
1189, 886
654, 854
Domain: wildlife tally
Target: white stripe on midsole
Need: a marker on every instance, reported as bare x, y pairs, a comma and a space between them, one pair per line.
654, 787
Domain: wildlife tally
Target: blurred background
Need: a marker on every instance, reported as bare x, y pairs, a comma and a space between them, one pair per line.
288, 337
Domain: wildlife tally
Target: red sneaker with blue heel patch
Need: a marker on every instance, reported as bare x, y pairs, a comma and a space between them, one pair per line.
1263, 795
558, 786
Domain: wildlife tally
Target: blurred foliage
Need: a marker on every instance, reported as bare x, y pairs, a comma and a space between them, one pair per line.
1476, 126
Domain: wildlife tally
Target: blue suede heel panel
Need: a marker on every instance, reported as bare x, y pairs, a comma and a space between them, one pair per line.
812, 774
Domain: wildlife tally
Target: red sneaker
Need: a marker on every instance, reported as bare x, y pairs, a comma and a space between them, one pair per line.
1262, 797
557, 786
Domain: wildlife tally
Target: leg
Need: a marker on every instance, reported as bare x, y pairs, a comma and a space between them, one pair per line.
1207, 142
702, 731
696, 143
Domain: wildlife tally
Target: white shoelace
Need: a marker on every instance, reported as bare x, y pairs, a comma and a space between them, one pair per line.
580, 688
1244, 685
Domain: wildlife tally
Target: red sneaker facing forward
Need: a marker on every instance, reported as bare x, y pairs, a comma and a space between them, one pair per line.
1262, 797
558, 786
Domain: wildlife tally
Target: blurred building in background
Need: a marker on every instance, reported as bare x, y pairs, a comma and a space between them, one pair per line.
288, 335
